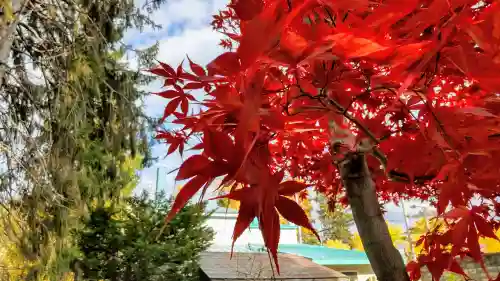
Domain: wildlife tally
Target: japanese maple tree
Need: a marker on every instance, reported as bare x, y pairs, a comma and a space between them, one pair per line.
378, 100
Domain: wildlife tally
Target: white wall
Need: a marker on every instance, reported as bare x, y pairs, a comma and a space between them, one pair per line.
223, 225
365, 272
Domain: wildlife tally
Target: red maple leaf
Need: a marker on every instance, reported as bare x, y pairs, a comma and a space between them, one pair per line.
264, 201
411, 83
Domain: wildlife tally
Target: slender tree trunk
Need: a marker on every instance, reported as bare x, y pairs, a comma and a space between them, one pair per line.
385, 259
7, 29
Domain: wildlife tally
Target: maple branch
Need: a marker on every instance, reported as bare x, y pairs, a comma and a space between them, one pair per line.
376, 152
409, 111
402, 103
303, 94
405, 178
332, 18
267, 92
438, 56
345, 16
367, 92
343, 111
440, 125
305, 108
399, 99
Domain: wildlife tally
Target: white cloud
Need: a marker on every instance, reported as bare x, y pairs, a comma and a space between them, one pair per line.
175, 15
193, 12
202, 45
414, 208
186, 31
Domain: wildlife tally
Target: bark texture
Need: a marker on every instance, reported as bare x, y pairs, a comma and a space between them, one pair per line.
385, 259
7, 29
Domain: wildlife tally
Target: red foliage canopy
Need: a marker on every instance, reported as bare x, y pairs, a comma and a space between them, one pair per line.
304, 81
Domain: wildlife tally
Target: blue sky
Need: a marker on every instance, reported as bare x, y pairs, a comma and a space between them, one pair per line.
186, 30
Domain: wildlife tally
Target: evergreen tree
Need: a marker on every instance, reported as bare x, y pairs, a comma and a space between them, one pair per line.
131, 242
65, 136
335, 221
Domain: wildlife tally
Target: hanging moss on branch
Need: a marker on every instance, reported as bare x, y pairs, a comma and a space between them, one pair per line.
70, 119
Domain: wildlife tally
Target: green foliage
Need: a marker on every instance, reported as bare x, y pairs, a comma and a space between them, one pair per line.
223, 203
335, 223
74, 136
132, 243
309, 238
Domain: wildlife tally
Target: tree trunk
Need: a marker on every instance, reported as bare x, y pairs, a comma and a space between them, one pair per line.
385, 259
7, 29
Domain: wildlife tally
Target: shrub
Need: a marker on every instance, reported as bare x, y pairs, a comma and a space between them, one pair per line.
132, 243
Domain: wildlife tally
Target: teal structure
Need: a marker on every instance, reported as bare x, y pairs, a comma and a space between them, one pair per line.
324, 255
318, 254
255, 225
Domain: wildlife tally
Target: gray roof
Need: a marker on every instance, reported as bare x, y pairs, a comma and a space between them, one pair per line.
257, 266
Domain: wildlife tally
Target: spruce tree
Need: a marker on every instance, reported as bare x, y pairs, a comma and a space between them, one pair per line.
334, 220
66, 135
131, 242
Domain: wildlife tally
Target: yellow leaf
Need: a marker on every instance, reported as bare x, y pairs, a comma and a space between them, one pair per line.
420, 228
356, 242
490, 245
127, 169
396, 232
8, 13
230, 204
336, 244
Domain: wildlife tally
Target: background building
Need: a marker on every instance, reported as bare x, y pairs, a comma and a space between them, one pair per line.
352, 263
